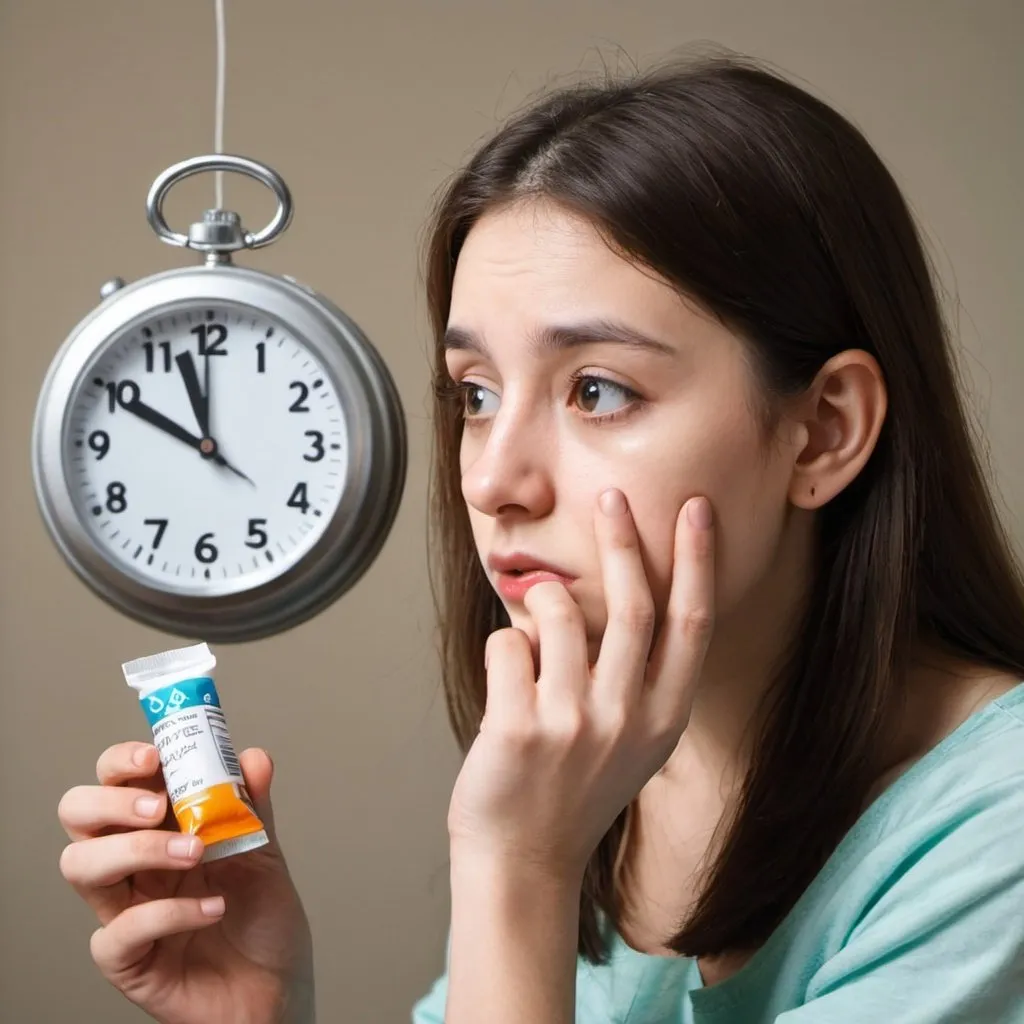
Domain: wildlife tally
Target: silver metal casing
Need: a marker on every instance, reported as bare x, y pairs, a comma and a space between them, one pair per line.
236, 610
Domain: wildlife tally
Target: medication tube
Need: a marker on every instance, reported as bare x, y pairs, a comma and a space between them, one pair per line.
201, 771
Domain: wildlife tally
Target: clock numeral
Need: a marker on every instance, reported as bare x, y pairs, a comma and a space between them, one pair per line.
211, 339
165, 348
298, 499
116, 500
99, 442
318, 446
299, 404
261, 357
257, 537
125, 393
161, 525
205, 551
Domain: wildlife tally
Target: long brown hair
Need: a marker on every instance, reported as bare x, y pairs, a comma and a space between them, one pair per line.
772, 211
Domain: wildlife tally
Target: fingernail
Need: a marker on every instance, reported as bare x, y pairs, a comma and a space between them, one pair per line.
141, 755
147, 806
613, 502
698, 512
212, 906
183, 847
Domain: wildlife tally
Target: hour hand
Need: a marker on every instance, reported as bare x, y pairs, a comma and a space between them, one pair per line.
200, 402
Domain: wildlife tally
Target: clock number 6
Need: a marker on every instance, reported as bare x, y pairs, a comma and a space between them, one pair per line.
204, 550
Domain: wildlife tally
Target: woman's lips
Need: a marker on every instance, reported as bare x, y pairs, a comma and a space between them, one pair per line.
513, 585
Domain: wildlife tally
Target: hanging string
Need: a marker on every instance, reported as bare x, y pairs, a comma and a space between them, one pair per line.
218, 131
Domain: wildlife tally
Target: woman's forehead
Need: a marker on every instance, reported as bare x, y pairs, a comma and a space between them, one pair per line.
533, 272
548, 282
534, 239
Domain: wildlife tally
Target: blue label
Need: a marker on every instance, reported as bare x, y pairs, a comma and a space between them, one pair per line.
189, 693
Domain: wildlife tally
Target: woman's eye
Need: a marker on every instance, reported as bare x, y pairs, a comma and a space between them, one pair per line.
595, 396
598, 396
475, 399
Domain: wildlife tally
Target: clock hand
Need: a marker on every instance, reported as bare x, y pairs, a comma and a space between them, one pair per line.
221, 461
200, 402
157, 419
206, 446
206, 394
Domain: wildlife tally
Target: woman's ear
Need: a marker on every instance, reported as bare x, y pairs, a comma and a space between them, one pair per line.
841, 414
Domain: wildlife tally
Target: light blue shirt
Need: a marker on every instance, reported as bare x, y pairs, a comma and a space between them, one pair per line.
916, 918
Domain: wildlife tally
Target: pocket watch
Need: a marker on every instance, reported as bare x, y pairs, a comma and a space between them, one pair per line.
218, 451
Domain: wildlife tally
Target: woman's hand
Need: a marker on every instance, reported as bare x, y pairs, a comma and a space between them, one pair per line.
189, 943
559, 756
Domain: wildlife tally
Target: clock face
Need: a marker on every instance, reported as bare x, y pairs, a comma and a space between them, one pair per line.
205, 449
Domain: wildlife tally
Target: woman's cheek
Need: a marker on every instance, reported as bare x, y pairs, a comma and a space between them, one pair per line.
747, 542
742, 551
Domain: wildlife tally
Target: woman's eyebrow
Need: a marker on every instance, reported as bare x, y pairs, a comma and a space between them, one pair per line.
559, 337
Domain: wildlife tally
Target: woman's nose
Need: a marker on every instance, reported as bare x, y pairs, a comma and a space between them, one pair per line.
510, 471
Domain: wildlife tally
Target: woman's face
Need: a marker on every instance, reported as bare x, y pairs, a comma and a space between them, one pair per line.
586, 373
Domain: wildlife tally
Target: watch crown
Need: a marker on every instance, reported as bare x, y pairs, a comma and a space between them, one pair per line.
219, 229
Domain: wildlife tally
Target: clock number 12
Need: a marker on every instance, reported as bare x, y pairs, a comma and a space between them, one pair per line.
211, 339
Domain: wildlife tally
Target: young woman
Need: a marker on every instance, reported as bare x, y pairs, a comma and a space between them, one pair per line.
730, 631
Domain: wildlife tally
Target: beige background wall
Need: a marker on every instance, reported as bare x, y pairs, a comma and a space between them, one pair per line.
365, 107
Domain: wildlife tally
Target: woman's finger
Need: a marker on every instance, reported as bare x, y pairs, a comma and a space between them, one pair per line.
119, 945
676, 662
258, 772
511, 686
562, 637
625, 648
134, 762
89, 811
99, 868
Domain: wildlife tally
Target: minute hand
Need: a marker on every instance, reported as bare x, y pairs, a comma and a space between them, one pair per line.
146, 412
157, 419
